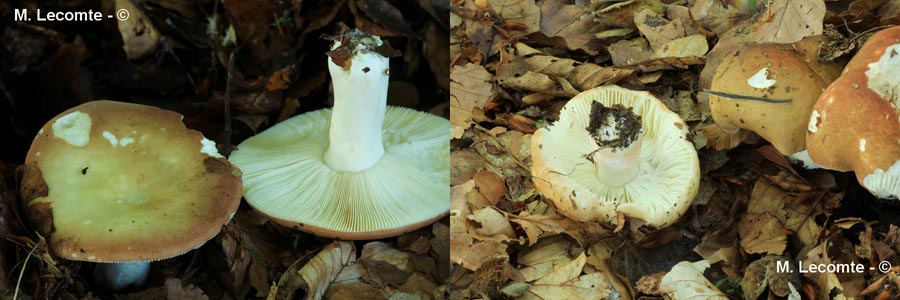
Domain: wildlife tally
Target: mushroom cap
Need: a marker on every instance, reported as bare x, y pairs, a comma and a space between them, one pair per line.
776, 72
110, 181
854, 124
667, 180
286, 179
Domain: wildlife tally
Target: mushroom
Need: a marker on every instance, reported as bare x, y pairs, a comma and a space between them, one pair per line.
361, 170
770, 89
854, 125
615, 151
124, 184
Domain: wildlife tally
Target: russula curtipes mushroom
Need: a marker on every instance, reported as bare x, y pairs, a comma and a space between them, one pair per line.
612, 151
854, 124
124, 184
770, 89
361, 170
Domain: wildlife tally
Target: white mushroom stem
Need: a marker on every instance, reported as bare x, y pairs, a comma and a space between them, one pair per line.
616, 167
360, 100
117, 276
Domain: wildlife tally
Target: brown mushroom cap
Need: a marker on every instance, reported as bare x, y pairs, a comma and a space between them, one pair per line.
855, 127
111, 182
770, 89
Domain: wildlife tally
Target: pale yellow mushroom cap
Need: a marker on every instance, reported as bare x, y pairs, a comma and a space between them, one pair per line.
113, 182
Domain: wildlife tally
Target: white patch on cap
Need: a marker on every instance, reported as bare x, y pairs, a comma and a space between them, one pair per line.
38, 154
87, 222
40, 132
74, 128
111, 138
125, 141
884, 184
74, 255
862, 145
209, 147
760, 80
883, 77
813, 122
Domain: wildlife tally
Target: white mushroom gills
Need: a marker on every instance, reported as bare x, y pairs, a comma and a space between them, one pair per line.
360, 101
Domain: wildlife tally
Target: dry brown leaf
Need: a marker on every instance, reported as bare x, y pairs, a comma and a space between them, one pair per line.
492, 225
658, 30
689, 46
139, 35
466, 251
569, 26
519, 15
489, 189
463, 165
385, 265
720, 16
566, 282
553, 75
470, 90
719, 139
762, 233
628, 52
764, 273
317, 275
539, 220
686, 281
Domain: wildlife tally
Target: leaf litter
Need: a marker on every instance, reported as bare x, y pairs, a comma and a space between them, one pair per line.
754, 209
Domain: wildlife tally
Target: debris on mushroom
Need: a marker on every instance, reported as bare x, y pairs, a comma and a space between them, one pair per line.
124, 184
854, 124
361, 170
770, 89
616, 151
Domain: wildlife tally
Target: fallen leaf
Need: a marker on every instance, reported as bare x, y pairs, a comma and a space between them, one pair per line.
316, 275
686, 281
470, 90
762, 233
489, 189
139, 36
566, 282
628, 52
466, 251
553, 75
569, 26
765, 273
492, 225
720, 16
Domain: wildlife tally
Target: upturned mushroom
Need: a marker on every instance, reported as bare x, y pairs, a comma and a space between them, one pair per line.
770, 89
854, 124
124, 184
613, 151
361, 170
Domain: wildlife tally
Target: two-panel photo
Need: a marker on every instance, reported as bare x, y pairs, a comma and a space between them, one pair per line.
450, 149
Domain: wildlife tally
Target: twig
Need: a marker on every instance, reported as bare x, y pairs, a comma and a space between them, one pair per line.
227, 142
742, 97
22, 272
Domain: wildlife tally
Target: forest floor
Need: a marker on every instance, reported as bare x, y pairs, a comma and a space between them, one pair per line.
516, 63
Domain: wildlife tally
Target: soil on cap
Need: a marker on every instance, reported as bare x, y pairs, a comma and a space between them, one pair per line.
628, 125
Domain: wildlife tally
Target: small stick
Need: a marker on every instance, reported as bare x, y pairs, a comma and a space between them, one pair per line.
227, 142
